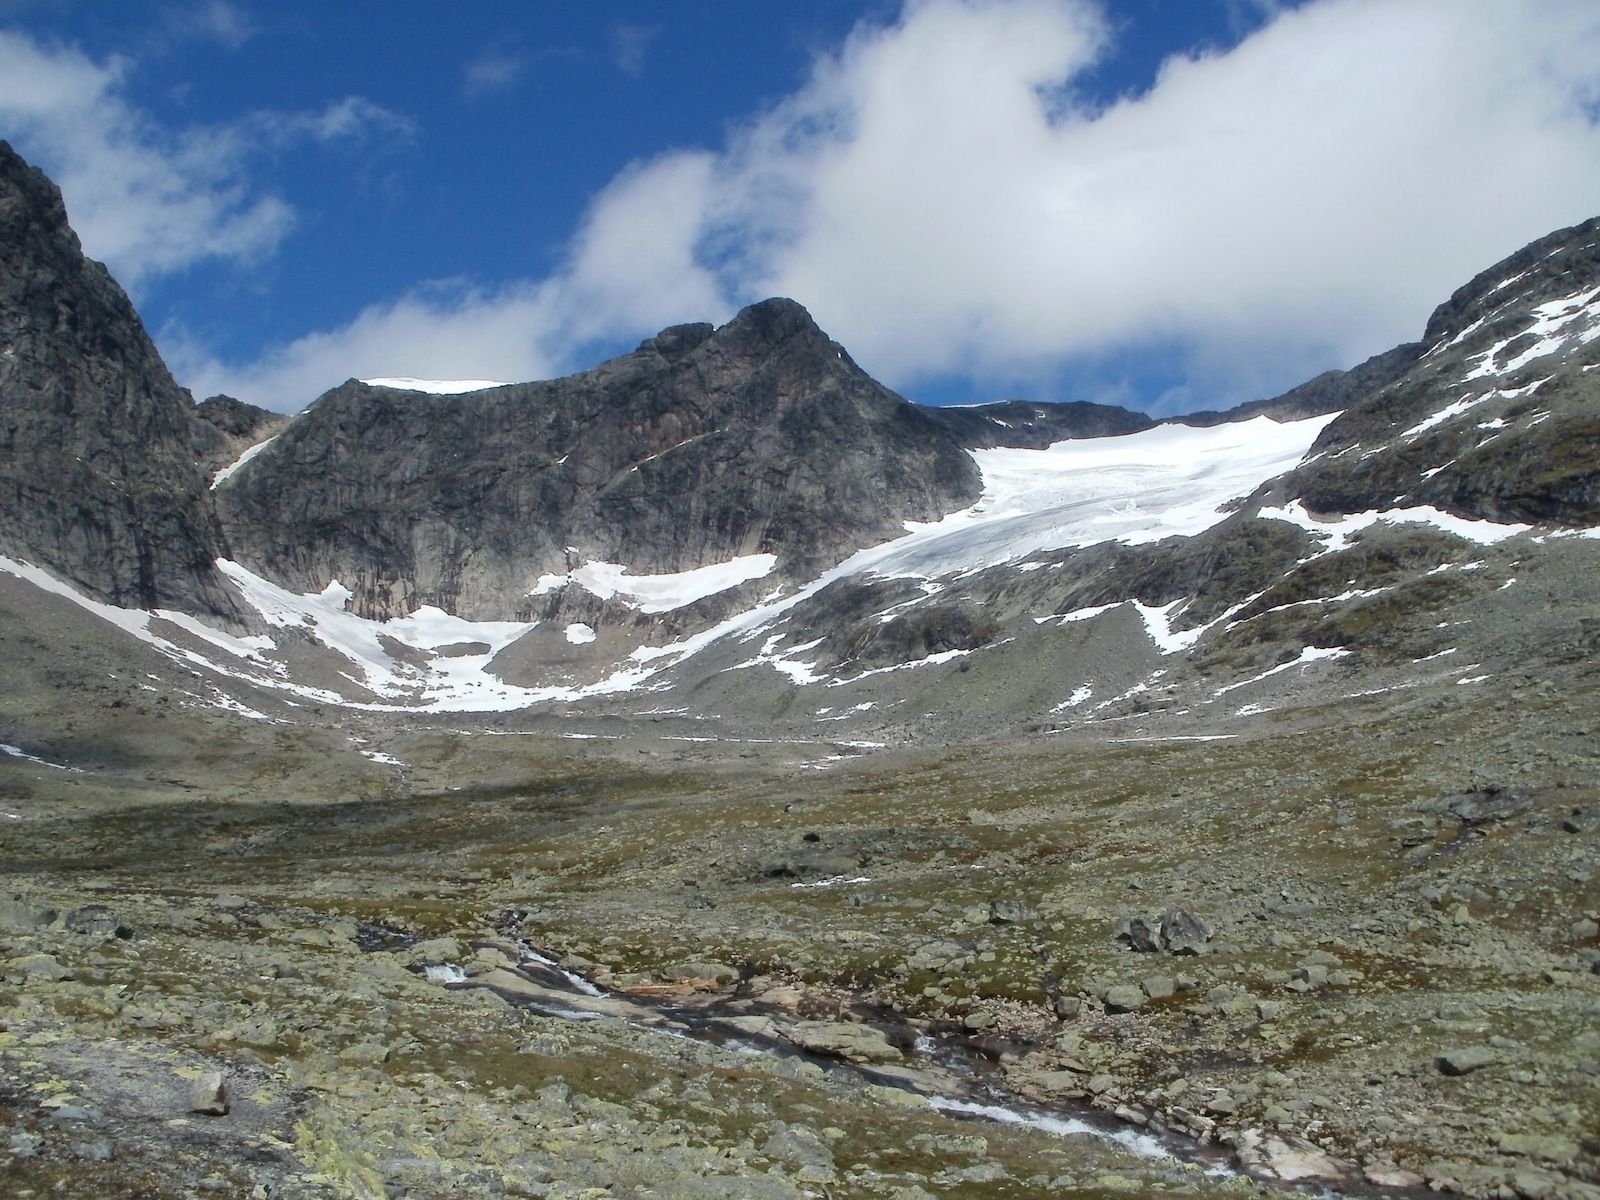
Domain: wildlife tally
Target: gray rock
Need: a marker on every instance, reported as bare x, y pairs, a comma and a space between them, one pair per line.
97, 919
1536, 1145
841, 1039
714, 973
1158, 987
1124, 998
97, 459
209, 1095
94, 1149
16, 917
1183, 933
1536, 476
701, 445
1135, 933
1488, 804
1468, 1059
1010, 912
39, 966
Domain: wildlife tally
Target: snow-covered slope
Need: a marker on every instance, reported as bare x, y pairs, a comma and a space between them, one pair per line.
1168, 481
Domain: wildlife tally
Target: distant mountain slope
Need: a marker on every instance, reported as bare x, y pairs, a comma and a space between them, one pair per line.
1023, 425
743, 518
704, 445
98, 479
1499, 417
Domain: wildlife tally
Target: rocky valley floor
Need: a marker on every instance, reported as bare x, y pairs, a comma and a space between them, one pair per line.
813, 959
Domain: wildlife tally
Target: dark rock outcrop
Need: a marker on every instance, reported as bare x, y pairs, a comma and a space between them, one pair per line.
1019, 424
1496, 418
98, 480
702, 445
225, 428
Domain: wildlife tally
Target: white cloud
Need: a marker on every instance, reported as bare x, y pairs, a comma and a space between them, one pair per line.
943, 201
632, 268
944, 204
629, 44
215, 21
147, 200
504, 334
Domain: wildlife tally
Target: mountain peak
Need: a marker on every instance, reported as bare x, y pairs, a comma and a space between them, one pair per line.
97, 450
771, 323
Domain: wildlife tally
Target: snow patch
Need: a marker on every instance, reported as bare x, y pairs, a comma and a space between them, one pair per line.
660, 593
1338, 531
834, 881
580, 634
19, 752
1555, 323
435, 387
228, 471
931, 660
1308, 655
1080, 695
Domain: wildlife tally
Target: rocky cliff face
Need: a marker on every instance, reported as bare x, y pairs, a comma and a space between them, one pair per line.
98, 480
701, 446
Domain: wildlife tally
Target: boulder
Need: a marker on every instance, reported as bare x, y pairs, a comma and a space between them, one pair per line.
17, 917
704, 974
1468, 1059
1124, 998
1135, 933
209, 1095
1183, 933
841, 1039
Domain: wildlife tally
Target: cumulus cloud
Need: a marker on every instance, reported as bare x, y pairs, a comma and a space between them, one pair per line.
945, 200
631, 268
502, 333
148, 200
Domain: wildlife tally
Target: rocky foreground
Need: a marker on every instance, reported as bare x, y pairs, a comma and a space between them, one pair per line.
1356, 949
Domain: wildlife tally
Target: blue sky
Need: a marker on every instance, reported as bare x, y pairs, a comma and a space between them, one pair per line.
1164, 203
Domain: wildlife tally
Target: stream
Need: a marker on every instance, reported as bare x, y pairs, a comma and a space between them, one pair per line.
955, 1074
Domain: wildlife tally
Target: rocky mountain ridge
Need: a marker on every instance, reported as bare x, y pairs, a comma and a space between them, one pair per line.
704, 445
632, 528
97, 469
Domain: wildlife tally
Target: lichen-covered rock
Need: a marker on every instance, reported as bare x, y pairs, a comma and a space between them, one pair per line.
841, 1039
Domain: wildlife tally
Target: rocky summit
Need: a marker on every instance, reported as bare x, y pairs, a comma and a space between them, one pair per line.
711, 775
703, 445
